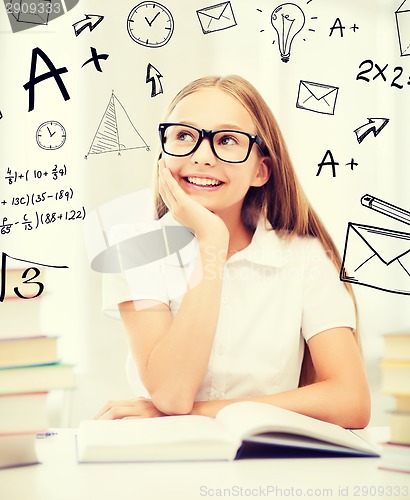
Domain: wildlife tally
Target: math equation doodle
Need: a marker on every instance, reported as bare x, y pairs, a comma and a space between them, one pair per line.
31, 276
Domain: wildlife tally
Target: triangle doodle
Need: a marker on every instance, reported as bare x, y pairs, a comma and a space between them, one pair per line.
116, 132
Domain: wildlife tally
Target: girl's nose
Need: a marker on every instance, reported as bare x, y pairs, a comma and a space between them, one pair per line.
204, 154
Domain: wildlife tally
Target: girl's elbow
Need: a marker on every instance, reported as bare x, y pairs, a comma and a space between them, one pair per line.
357, 411
172, 403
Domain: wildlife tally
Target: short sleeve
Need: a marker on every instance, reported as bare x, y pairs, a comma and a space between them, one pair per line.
162, 280
326, 301
141, 283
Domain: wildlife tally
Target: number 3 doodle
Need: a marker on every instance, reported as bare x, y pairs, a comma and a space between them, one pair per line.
28, 276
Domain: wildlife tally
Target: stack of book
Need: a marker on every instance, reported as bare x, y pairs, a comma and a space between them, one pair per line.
29, 369
396, 383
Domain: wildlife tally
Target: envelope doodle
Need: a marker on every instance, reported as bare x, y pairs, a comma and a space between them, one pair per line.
377, 257
216, 17
403, 27
317, 97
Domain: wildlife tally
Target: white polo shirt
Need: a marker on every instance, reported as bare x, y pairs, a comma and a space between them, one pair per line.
276, 293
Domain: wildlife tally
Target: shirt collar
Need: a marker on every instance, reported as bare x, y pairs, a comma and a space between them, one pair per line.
265, 249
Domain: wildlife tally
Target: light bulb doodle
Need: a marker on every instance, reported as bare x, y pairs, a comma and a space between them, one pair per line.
288, 20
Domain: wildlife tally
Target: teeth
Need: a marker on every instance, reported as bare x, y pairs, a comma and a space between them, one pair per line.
201, 181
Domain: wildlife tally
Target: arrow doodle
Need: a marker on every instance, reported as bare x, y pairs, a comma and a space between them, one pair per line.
90, 21
153, 76
375, 125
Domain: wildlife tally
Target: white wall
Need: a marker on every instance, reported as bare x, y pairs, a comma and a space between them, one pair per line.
97, 344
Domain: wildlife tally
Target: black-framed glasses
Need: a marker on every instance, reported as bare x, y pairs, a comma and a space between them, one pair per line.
231, 146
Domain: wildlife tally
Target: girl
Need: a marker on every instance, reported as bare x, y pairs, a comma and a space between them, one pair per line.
269, 296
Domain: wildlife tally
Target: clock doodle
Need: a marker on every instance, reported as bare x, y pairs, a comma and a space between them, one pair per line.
150, 24
50, 135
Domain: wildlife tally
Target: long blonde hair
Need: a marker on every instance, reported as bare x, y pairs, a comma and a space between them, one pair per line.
281, 200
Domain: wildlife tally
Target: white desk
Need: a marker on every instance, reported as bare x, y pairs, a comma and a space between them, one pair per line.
60, 477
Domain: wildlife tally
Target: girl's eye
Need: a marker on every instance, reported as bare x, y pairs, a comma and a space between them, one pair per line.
228, 140
185, 136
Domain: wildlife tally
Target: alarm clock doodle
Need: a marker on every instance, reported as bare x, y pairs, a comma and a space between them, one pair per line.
51, 135
150, 24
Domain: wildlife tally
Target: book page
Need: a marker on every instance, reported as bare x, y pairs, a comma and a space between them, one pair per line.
248, 419
182, 437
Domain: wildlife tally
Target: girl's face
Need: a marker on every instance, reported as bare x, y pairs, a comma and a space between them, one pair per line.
216, 184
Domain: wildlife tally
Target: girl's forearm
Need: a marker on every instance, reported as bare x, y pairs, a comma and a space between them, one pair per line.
347, 405
178, 362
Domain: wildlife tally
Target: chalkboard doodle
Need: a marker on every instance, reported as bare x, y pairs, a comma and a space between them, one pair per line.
55, 173
42, 219
30, 276
377, 257
289, 22
153, 76
403, 27
317, 97
150, 24
91, 21
375, 125
216, 17
51, 135
116, 132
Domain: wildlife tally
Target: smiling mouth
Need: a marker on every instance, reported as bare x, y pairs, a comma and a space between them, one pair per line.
203, 181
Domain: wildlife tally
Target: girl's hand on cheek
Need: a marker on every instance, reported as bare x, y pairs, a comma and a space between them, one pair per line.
188, 211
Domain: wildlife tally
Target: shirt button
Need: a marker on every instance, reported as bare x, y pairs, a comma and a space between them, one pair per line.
224, 300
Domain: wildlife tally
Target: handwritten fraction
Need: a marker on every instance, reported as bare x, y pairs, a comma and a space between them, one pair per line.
55, 173
39, 197
38, 219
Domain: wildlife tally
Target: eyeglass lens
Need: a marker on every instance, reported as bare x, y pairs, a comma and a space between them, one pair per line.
181, 140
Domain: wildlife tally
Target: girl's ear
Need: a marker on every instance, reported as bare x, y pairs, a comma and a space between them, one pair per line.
263, 172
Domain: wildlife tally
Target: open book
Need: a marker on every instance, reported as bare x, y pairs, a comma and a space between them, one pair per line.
190, 437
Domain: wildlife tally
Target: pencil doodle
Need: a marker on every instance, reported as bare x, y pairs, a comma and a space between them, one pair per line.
317, 97
90, 21
385, 208
216, 17
150, 24
153, 76
116, 132
377, 257
375, 125
403, 27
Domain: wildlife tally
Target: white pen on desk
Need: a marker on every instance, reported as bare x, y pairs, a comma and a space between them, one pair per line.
385, 208
43, 435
